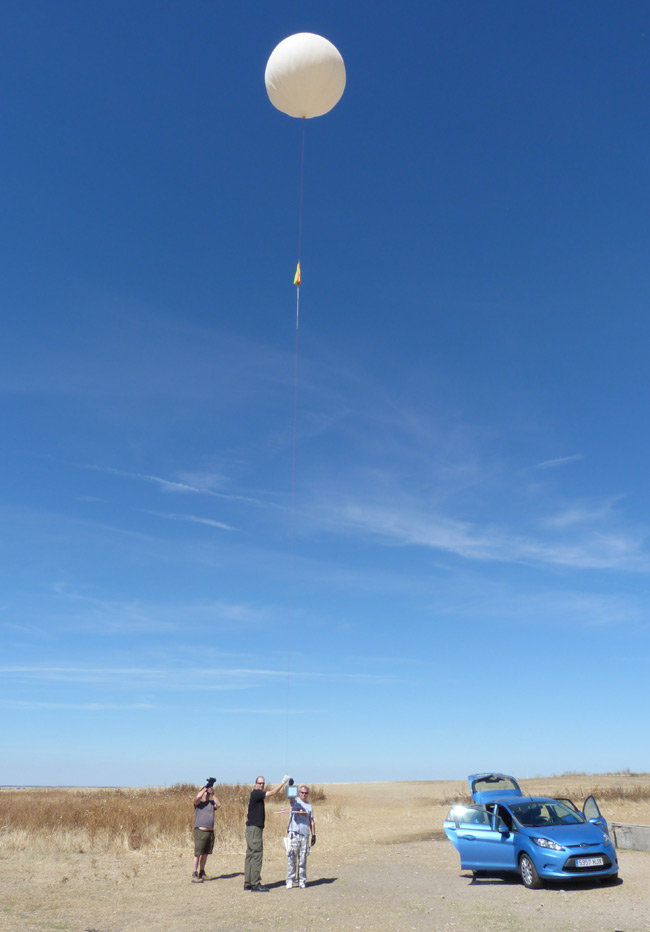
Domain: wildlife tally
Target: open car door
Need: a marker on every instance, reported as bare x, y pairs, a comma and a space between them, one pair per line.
592, 813
481, 838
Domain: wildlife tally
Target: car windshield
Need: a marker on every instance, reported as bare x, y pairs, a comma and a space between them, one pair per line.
536, 815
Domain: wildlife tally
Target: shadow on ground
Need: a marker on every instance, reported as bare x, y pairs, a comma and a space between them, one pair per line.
226, 876
310, 883
587, 883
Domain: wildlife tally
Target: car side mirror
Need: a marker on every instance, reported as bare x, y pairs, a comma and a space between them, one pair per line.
502, 827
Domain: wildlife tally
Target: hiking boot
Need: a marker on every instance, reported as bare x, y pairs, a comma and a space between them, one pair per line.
196, 878
259, 888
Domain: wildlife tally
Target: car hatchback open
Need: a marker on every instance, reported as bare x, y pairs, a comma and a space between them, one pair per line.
538, 837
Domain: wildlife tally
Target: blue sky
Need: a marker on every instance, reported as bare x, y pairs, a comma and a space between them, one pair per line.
460, 580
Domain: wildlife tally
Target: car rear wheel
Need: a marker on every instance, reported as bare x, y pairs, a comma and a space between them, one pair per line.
528, 872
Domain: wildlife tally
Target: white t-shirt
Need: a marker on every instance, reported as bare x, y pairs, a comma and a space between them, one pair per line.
301, 814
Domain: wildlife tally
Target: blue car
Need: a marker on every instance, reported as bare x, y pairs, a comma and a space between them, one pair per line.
534, 836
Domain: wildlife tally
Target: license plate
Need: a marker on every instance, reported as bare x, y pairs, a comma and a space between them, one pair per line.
589, 862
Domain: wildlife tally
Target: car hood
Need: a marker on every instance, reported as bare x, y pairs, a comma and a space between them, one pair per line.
583, 833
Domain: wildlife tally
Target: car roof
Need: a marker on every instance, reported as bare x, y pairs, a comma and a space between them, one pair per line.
511, 801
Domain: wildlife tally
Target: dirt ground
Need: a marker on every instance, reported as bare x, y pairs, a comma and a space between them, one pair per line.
381, 863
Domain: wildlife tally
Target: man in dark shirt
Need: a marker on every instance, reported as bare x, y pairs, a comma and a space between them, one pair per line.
254, 830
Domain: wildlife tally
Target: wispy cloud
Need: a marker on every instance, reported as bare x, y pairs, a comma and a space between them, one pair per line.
409, 523
581, 514
80, 706
204, 481
559, 461
172, 485
112, 615
26, 705
499, 602
210, 522
185, 678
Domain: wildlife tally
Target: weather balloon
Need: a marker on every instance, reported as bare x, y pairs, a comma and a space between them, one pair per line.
305, 76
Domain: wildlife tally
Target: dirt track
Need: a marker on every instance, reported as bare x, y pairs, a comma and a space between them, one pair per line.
380, 864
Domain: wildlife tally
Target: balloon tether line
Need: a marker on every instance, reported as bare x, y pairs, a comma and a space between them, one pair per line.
293, 452
302, 175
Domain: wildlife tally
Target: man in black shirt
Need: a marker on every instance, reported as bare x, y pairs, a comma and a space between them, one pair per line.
254, 839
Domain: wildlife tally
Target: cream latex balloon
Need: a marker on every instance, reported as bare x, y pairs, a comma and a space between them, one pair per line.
305, 75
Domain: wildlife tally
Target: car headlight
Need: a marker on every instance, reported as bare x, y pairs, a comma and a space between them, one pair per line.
608, 840
547, 843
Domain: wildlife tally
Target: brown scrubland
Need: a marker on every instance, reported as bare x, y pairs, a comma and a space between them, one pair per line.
88, 819
99, 819
119, 860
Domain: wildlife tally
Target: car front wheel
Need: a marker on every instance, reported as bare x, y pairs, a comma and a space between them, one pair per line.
528, 872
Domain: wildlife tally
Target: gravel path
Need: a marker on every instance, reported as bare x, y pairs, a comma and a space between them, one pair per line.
405, 886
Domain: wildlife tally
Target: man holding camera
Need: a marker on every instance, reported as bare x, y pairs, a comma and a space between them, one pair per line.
301, 826
254, 830
205, 806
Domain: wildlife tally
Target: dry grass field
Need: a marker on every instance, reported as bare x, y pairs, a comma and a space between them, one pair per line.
120, 861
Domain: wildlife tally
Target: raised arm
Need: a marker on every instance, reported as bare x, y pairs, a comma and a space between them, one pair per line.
276, 789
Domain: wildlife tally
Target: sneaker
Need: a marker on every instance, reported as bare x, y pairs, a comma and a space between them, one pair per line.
302, 886
259, 888
247, 886
196, 878
289, 884
203, 875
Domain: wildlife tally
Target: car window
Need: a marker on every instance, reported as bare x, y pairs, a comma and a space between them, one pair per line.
591, 809
550, 812
492, 782
571, 805
505, 817
469, 815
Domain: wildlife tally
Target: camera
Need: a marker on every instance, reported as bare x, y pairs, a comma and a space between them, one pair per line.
210, 782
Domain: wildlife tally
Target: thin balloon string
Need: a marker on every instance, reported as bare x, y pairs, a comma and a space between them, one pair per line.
291, 546
300, 199
293, 453
297, 305
302, 176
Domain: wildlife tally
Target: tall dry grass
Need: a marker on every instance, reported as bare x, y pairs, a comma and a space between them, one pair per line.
122, 819
618, 792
